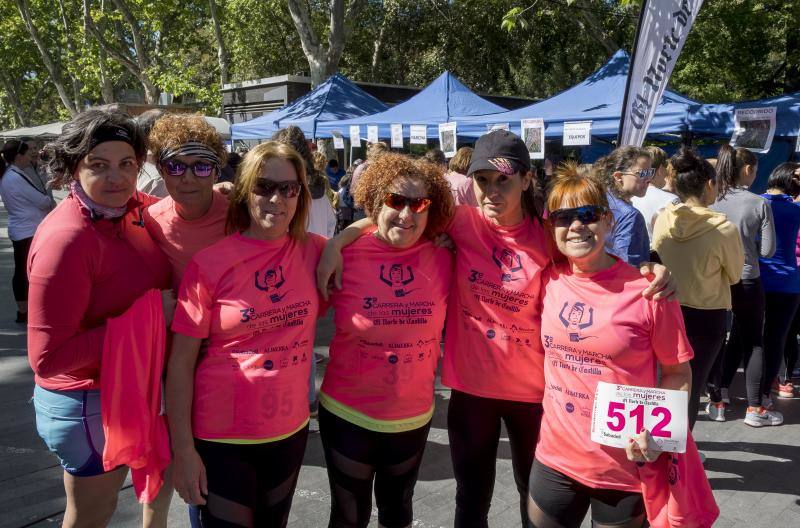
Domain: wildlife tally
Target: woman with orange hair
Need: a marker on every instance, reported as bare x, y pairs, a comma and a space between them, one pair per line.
376, 401
593, 303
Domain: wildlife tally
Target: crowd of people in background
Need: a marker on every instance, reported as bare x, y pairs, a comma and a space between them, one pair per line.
507, 263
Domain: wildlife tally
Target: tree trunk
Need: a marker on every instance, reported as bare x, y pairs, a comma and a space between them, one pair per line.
49, 63
594, 28
222, 51
20, 115
106, 87
77, 87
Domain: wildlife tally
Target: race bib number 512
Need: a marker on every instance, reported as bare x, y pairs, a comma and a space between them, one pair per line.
621, 411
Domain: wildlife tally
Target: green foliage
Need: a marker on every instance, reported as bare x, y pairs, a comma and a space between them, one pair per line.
738, 49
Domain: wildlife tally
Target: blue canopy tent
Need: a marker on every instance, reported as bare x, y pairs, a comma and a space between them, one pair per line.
598, 98
336, 98
445, 99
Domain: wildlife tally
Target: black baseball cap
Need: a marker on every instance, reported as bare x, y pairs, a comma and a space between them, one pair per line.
502, 151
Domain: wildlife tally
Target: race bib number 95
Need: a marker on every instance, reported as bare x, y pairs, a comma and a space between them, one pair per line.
621, 411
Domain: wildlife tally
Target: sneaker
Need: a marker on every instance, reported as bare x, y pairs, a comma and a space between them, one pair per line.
767, 403
726, 398
716, 411
762, 417
786, 390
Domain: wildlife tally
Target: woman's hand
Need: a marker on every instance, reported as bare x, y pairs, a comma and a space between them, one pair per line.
168, 302
641, 448
189, 476
662, 283
224, 188
443, 240
330, 264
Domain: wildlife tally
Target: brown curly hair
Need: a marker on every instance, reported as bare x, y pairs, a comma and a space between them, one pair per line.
173, 130
381, 174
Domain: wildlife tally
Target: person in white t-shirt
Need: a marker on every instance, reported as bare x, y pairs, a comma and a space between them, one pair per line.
658, 193
27, 201
149, 180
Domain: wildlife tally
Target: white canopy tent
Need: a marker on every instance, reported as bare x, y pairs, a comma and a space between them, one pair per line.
52, 130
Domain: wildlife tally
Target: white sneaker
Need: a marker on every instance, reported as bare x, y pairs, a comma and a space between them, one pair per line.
763, 418
726, 398
716, 411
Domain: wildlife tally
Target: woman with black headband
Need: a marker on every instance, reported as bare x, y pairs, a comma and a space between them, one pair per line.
27, 202
90, 260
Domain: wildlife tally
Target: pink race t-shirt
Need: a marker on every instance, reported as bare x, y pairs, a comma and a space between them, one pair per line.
389, 317
598, 327
492, 341
180, 239
255, 303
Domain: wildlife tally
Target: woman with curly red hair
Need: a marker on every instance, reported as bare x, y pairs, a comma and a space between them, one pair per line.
376, 401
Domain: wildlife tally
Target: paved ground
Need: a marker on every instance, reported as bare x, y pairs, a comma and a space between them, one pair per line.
754, 472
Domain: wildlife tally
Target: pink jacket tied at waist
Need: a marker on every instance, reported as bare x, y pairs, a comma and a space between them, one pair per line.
676, 491
131, 369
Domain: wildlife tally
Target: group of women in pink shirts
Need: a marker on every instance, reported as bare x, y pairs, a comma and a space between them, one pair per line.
511, 294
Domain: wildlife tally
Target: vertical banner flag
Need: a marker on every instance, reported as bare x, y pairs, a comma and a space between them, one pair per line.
797, 146
355, 135
663, 28
533, 136
577, 133
754, 128
397, 135
419, 134
447, 138
372, 133
338, 140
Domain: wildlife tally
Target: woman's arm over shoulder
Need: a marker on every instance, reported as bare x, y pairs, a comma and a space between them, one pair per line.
61, 267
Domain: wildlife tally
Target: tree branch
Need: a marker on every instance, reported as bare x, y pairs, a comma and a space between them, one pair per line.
141, 52
222, 51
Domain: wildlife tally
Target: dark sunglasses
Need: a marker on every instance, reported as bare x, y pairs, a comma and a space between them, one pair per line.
201, 169
398, 202
644, 174
586, 214
287, 189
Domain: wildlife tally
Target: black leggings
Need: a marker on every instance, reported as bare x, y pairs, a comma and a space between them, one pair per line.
473, 427
706, 332
778, 318
250, 484
745, 344
790, 351
356, 456
564, 501
19, 282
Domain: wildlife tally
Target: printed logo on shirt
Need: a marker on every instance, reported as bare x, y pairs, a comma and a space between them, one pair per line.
271, 282
397, 278
578, 318
569, 407
508, 262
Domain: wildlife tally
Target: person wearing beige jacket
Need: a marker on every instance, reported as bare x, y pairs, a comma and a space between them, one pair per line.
703, 250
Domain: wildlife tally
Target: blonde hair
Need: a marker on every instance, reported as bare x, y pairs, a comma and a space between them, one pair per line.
250, 171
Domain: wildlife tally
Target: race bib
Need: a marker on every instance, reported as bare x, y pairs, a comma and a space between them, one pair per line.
621, 411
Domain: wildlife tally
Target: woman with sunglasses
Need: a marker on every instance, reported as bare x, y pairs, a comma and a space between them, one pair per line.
238, 412
188, 153
376, 400
27, 202
593, 306
492, 360
626, 173
704, 252
91, 259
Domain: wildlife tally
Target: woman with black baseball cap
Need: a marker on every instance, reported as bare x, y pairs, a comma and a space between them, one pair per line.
493, 360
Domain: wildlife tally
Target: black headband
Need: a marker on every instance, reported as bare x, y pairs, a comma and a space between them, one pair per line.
110, 133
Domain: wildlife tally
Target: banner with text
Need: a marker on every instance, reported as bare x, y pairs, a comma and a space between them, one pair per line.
663, 28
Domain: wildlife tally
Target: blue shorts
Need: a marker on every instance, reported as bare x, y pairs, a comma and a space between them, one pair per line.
71, 426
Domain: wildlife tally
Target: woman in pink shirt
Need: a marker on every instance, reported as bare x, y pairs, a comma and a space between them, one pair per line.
376, 401
492, 359
238, 412
90, 260
596, 326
